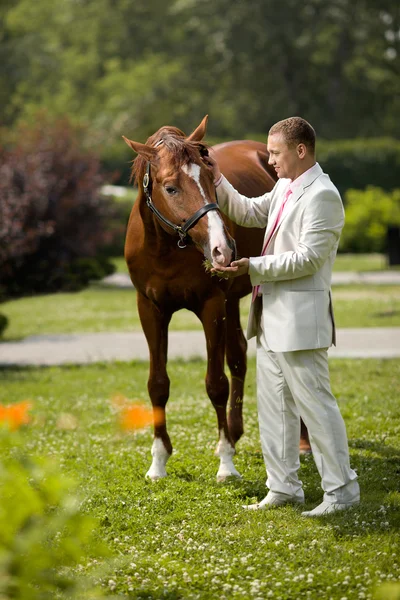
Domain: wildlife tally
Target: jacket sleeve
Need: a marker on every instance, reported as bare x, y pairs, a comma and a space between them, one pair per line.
248, 212
321, 226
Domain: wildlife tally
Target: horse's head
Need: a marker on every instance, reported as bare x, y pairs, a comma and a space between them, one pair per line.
178, 187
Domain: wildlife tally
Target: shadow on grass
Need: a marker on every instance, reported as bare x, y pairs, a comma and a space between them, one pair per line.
378, 468
13, 339
387, 313
149, 594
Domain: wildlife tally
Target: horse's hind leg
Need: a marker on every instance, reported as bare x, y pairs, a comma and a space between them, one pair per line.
212, 316
155, 327
305, 446
236, 349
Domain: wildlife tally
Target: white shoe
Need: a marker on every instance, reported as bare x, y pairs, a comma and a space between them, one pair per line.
272, 501
327, 508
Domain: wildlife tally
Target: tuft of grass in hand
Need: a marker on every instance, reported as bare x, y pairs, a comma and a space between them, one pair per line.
207, 264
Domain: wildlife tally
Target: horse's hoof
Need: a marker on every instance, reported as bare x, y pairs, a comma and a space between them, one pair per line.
223, 476
305, 451
155, 476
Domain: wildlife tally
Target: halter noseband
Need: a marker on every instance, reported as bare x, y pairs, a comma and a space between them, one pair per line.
181, 230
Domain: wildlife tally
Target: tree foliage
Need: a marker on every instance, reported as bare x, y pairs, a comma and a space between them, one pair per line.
130, 67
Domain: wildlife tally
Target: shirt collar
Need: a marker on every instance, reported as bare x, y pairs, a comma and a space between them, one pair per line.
294, 184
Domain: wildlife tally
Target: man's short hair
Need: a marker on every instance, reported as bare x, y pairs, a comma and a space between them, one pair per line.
295, 130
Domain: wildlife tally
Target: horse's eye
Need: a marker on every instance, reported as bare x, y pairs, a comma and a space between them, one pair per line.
170, 190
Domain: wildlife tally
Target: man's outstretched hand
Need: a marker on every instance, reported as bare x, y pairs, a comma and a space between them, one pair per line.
235, 269
211, 162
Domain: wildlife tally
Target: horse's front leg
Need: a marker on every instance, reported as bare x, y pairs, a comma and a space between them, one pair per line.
155, 326
236, 356
213, 319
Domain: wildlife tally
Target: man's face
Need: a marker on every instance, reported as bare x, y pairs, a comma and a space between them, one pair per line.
285, 160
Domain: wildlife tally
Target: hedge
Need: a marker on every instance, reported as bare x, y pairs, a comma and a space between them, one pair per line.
359, 163
369, 213
351, 164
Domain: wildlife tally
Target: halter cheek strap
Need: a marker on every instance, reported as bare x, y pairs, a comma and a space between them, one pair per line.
181, 230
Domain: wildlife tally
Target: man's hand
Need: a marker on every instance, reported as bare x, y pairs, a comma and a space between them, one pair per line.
235, 269
212, 163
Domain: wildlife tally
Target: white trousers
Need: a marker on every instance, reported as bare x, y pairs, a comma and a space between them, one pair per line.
294, 384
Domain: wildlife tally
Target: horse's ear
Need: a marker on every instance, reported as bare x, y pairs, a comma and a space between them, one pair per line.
147, 151
199, 133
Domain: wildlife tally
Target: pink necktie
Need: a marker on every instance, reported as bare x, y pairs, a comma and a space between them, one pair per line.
256, 288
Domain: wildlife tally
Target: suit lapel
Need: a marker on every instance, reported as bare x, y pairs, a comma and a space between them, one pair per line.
298, 192
274, 213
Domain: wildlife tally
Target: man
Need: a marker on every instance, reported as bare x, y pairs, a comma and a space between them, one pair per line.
292, 316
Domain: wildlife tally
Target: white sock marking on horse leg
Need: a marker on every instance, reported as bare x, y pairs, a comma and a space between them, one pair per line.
160, 457
226, 453
216, 233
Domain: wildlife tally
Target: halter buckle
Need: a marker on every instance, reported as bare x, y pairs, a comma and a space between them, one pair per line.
182, 236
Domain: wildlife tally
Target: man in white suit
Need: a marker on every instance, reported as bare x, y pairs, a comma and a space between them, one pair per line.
292, 317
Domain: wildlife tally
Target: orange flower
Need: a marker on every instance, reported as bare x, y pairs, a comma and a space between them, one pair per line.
135, 416
16, 414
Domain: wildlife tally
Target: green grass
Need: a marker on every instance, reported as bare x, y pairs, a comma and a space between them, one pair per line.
359, 306
187, 536
94, 309
367, 306
360, 262
120, 264
112, 309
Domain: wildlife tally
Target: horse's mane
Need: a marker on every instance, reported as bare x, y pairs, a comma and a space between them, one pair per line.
182, 150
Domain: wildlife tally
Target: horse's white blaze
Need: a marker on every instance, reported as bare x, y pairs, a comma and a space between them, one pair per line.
219, 249
160, 457
225, 452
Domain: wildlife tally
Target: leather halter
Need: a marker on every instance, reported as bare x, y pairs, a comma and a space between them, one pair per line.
181, 230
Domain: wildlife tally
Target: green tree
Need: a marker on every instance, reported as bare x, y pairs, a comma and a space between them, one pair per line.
130, 67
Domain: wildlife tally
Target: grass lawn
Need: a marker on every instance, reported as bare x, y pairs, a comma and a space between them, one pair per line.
120, 264
359, 306
112, 309
360, 262
187, 536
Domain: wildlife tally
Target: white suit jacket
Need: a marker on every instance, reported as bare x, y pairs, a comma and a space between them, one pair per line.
296, 271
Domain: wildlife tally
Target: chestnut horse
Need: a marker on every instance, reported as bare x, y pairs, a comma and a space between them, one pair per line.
175, 223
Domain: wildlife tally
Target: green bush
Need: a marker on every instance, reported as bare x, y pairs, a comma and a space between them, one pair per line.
356, 164
116, 158
368, 215
43, 533
52, 214
3, 324
118, 223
